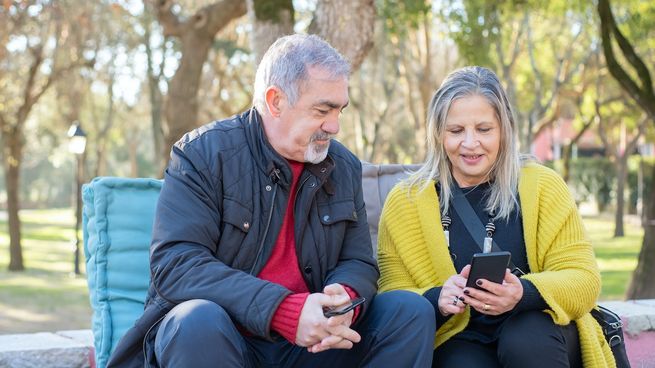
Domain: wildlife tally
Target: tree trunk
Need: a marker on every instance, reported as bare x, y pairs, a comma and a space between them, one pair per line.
155, 95
347, 25
12, 160
181, 107
642, 285
270, 20
196, 37
622, 177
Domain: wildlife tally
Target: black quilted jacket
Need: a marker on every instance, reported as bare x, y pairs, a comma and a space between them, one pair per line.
218, 216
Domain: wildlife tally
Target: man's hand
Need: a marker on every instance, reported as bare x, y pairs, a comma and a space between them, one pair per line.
318, 333
341, 335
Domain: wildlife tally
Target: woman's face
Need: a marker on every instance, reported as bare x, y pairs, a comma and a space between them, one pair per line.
471, 139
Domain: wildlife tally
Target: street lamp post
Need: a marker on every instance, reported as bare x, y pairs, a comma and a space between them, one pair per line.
77, 146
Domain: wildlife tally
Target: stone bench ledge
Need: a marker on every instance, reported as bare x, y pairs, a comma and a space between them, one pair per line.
637, 315
45, 349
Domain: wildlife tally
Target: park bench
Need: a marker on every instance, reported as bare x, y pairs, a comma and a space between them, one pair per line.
118, 215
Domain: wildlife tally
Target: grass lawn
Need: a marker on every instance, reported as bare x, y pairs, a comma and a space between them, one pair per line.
617, 257
48, 297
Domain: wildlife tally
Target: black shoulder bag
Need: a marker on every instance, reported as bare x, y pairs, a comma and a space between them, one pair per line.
612, 327
609, 321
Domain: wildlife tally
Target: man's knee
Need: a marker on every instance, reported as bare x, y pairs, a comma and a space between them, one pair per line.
194, 323
405, 307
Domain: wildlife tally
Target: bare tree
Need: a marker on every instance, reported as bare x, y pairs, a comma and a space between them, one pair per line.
196, 36
37, 31
155, 77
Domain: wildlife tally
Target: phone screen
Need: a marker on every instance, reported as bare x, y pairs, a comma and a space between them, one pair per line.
488, 266
343, 310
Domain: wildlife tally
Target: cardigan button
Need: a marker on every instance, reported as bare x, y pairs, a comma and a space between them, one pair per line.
268, 188
308, 269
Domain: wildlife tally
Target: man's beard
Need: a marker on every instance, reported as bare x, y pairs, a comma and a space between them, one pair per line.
317, 152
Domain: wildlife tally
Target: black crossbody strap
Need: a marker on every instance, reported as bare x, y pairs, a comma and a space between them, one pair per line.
474, 225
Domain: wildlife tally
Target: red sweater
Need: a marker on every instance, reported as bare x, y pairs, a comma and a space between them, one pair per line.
282, 268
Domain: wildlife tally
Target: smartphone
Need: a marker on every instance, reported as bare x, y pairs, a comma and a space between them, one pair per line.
343, 310
489, 266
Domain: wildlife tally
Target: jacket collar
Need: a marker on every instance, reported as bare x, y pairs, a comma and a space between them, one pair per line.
268, 160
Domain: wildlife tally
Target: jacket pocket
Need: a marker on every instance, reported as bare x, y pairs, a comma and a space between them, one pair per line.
237, 215
333, 212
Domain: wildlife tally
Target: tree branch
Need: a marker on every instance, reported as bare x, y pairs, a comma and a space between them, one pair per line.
644, 97
168, 20
23, 110
215, 16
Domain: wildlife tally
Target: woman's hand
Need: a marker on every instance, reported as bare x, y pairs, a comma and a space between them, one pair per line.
450, 299
496, 298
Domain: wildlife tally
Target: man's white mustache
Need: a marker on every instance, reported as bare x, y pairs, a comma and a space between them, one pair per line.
321, 137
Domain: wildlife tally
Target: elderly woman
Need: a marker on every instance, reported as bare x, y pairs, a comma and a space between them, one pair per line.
540, 319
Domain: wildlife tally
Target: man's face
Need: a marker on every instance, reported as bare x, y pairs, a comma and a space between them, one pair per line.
303, 131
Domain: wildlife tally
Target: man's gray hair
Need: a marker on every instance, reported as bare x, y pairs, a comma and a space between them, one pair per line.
285, 65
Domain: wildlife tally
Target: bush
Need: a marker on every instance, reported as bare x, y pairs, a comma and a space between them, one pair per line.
593, 177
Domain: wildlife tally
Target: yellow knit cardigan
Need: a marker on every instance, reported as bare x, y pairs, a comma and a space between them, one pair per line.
412, 254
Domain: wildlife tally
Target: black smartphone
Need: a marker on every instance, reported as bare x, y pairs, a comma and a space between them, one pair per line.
343, 310
489, 266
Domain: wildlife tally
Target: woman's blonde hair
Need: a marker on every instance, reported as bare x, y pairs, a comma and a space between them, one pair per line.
504, 174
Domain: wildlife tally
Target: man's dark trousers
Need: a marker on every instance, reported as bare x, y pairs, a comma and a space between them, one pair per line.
398, 330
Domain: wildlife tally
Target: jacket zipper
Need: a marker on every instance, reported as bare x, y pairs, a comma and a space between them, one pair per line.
268, 224
302, 229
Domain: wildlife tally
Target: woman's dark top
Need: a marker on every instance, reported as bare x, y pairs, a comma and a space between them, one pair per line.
509, 237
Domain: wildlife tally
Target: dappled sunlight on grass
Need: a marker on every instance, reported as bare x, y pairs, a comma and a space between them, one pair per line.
617, 257
47, 296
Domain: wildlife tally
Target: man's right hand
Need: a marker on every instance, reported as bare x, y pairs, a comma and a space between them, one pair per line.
318, 333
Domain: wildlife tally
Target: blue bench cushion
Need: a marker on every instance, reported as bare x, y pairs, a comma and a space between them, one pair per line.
117, 226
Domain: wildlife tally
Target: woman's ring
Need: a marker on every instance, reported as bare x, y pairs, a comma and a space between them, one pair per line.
486, 307
455, 300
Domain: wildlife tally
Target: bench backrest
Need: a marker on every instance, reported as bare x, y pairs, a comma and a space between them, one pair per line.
117, 225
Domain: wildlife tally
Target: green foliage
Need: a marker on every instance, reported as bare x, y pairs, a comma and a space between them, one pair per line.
475, 28
269, 10
593, 177
398, 15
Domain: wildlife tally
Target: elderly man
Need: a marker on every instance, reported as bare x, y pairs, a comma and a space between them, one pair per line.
260, 241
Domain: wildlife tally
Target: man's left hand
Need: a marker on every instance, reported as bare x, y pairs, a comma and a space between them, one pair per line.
341, 335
